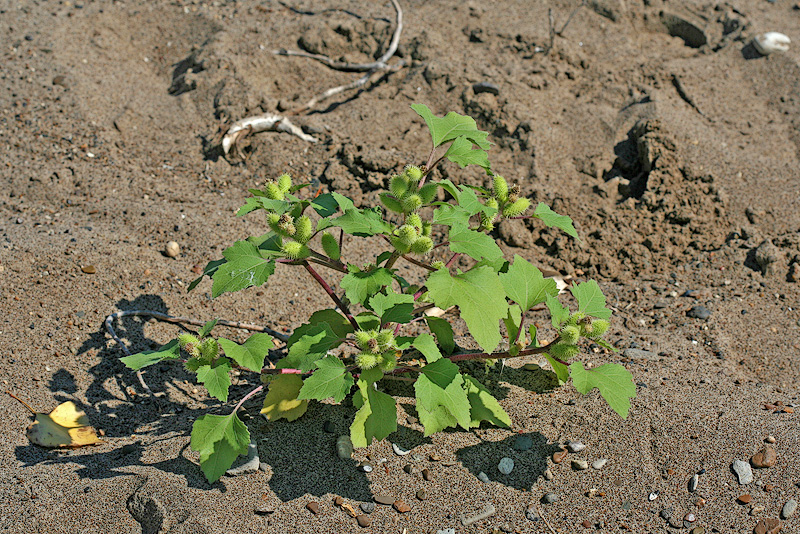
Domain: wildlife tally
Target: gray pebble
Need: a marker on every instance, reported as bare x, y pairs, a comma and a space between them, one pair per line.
416, 457
693, 482
743, 472
580, 465
485, 87
505, 466
531, 514
575, 446
523, 442
446, 531
639, 354
666, 514
599, 464
367, 507
246, 464
329, 427
549, 498
699, 312
788, 509
483, 477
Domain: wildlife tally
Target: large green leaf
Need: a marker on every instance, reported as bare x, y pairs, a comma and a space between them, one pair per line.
451, 126
479, 296
362, 223
435, 420
361, 285
427, 346
474, 244
251, 353
257, 203
219, 439
443, 331
612, 379
462, 153
513, 322
170, 351
450, 215
210, 269
281, 401
440, 384
377, 416
216, 378
526, 285
558, 312
393, 307
331, 379
483, 406
551, 218
338, 323
591, 300
561, 370
312, 346
245, 267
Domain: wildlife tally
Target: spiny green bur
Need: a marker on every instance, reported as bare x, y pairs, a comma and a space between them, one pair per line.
376, 324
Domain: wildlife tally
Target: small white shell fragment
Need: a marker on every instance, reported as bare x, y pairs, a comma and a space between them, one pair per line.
172, 249
767, 43
505, 466
398, 450
653, 496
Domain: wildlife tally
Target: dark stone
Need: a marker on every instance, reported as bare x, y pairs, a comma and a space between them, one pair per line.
485, 87
699, 312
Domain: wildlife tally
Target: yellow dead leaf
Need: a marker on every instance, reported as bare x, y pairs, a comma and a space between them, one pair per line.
65, 426
281, 401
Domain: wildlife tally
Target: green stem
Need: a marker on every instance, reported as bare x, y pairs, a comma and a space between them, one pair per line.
392, 259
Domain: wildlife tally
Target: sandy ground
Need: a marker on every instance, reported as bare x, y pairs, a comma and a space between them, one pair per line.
654, 125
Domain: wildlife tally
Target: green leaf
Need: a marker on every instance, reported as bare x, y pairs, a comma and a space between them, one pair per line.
558, 312
483, 406
281, 401
170, 351
207, 328
513, 321
444, 333
219, 439
474, 244
606, 345
377, 416
612, 379
258, 203
338, 323
451, 126
211, 268
480, 298
362, 223
591, 300
435, 420
360, 285
312, 346
551, 218
561, 370
344, 203
526, 285
462, 153
215, 378
393, 307
368, 321
469, 200
325, 205
251, 353
450, 215
451, 188
427, 346
245, 267
440, 384
331, 379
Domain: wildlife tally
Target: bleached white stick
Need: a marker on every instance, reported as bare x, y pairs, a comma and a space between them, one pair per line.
260, 123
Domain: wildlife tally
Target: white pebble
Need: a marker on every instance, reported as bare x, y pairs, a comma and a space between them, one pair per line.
575, 446
770, 42
172, 249
398, 450
599, 464
505, 466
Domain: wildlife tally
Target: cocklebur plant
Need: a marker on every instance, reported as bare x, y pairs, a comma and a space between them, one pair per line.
367, 337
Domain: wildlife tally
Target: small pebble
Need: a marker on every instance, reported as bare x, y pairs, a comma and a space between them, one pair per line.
697, 530
666, 514
172, 249
367, 507
653, 496
401, 507
548, 475
768, 526
264, 510
89, 269
693, 482
344, 447
580, 465
626, 505
770, 439
586, 523
398, 450
531, 514
699, 312
744, 499
416, 457
129, 448
363, 521
523, 442
483, 477
328, 427
485, 87
559, 456
446, 531
426, 474
575, 446
505, 466
789, 509
408, 469
434, 457
766, 457
384, 499
313, 507
338, 500
549, 498
422, 494
688, 519
366, 467
599, 464
743, 472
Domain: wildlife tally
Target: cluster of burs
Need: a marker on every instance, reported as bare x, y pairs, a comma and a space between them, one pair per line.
378, 348
578, 325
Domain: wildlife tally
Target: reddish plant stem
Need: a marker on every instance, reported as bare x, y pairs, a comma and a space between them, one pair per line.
419, 292
419, 263
272, 371
422, 308
342, 306
452, 260
256, 390
519, 331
